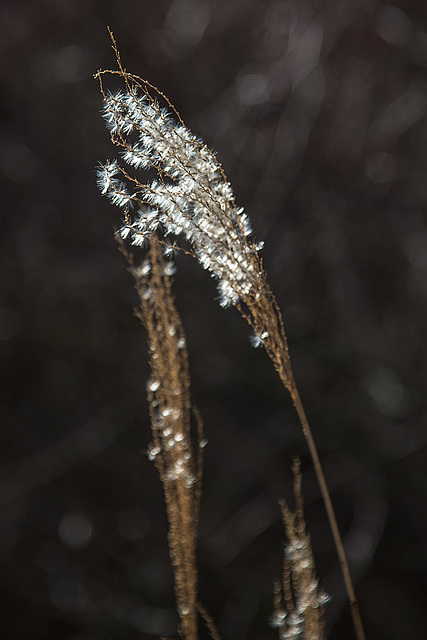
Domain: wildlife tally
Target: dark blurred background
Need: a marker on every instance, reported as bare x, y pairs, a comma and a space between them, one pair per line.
317, 111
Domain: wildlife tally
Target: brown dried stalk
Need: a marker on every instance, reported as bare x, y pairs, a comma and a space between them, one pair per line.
298, 602
191, 198
263, 314
172, 449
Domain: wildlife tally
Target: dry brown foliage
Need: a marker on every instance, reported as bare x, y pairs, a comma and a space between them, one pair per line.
298, 601
177, 459
192, 199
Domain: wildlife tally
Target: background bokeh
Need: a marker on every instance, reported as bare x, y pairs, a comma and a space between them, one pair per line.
317, 111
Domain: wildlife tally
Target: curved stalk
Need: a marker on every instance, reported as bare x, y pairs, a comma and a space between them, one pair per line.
354, 605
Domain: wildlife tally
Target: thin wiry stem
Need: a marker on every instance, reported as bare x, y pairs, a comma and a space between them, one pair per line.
264, 316
209, 622
354, 605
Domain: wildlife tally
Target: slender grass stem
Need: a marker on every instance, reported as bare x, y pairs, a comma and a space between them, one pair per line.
354, 605
264, 316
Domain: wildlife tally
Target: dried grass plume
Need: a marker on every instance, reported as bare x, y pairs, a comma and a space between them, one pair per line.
190, 200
